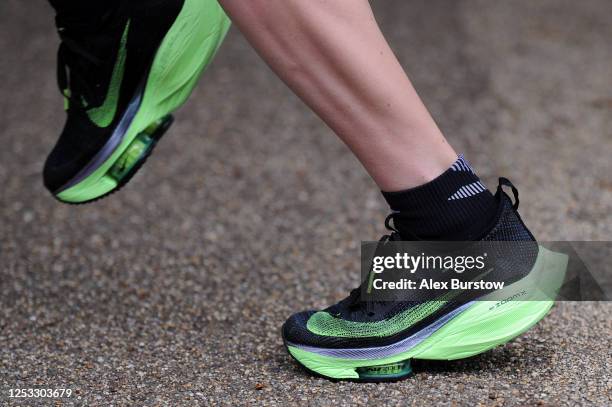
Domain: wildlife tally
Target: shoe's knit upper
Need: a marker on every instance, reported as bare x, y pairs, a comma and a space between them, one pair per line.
352, 324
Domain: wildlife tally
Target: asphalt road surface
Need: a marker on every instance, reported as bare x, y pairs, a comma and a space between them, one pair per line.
173, 291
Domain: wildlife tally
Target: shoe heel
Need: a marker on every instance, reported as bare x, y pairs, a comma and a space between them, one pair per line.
504, 316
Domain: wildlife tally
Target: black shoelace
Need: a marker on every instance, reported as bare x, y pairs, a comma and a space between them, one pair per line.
355, 301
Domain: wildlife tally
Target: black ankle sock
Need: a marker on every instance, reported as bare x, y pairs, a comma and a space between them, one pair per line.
454, 206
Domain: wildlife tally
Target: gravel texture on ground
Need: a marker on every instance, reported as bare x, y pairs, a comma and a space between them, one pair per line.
173, 291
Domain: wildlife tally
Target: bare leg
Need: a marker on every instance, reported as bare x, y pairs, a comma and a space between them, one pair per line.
334, 57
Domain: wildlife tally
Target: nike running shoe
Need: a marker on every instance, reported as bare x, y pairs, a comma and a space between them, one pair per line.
122, 78
375, 340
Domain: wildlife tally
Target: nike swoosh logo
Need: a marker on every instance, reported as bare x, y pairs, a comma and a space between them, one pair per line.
103, 115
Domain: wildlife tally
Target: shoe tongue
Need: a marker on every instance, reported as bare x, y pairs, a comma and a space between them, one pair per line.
86, 16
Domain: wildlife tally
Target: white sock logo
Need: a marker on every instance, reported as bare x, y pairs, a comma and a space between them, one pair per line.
461, 165
468, 190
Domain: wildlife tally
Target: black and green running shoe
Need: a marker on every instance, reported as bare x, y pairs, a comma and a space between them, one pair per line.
122, 77
375, 340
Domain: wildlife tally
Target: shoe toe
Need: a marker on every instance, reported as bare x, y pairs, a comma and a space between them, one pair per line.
295, 328
61, 166
55, 175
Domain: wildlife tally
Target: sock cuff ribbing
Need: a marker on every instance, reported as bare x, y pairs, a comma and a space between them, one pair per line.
446, 205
